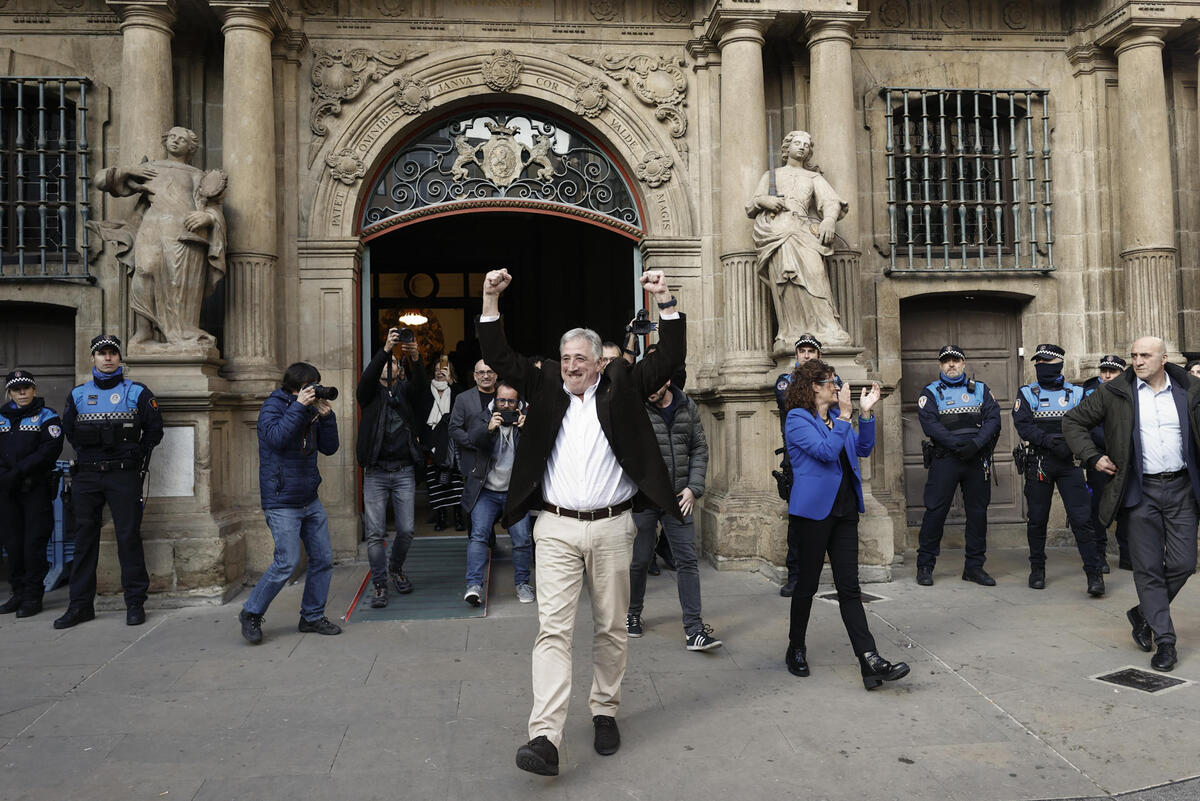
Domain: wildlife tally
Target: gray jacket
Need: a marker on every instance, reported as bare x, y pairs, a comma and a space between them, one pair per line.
684, 449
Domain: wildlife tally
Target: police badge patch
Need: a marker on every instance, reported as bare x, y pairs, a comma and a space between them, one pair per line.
115, 397
782, 385
966, 396
54, 431
921, 401
1063, 401
1017, 405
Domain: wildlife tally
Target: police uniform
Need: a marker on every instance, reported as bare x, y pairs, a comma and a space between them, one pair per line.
962, 420
782, 383
1038, 414
30, 442
113, 424
1097, 480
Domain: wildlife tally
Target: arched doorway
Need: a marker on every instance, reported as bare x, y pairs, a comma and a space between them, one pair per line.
488, 188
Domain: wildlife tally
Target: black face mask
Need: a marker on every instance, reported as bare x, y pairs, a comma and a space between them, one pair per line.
1049, 373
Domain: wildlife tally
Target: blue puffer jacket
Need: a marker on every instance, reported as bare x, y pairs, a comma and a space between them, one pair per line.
289, 437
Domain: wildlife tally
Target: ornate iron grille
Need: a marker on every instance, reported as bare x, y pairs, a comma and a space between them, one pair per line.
43, 177
501, 158
968, 177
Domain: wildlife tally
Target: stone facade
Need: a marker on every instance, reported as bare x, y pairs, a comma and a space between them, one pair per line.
300, 102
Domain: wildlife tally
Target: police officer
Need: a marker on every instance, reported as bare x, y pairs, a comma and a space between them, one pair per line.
1038, 414
30, 443
113, 424
808, 348
962, 420
1111, 366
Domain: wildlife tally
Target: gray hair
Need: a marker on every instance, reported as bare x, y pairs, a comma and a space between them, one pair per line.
588, 334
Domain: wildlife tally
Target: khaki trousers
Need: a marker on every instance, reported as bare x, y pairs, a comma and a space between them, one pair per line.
567, 551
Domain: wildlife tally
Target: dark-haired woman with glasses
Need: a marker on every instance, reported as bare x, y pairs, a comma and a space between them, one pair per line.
824, 507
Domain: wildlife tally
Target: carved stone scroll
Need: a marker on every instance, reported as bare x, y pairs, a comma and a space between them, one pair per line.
345, 166
411, 94
590, 97
657, 81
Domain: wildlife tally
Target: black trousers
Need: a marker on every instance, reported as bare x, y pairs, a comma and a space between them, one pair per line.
838, 537
946, 475
1038, 494
122, 491
1096, 482
1162, 545
28, 521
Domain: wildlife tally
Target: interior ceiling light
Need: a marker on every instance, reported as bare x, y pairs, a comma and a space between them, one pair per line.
413, 318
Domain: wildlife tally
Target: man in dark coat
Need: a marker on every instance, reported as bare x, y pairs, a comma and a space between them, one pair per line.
587, 456
1151, 419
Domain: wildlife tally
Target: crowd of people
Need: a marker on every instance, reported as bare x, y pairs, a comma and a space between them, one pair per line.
595, 461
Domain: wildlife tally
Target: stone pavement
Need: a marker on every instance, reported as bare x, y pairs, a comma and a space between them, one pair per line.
998, 705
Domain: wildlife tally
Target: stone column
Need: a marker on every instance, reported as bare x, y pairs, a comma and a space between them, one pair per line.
835, 139
248, 142
743, 161
146, 102
1148, 254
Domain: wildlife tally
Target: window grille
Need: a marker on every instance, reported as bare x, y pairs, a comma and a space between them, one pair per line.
44, 206
968, 178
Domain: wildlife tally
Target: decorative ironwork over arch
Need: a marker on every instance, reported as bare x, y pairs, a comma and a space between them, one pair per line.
500, 159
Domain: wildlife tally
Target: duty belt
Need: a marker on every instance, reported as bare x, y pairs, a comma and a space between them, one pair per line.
591, 514
107, 466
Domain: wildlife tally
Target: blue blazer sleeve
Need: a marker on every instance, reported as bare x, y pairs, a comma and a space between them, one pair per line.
802, 433
866, 437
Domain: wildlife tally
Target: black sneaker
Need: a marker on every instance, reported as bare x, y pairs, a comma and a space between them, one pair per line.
702, 639
322, 625
400, 582
633, 625
380, 599
251, 626
538, 756
608, 736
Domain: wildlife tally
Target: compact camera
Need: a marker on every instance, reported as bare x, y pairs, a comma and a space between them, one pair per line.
509, 417
407, 335
641, 325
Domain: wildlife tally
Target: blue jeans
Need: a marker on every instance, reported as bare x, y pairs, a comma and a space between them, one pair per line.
487, 508
290, 527
380, 486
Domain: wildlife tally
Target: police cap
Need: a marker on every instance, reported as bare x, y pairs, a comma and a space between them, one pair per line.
19, 378
808, 340
1112, 362
951, 352
106, 341
1048, 352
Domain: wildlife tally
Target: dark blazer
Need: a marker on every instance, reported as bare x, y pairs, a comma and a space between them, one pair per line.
620, 405
816, 454
1115, 406
466, 407
484, 442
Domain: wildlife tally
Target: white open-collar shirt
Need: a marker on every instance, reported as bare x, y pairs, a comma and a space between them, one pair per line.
1162, 437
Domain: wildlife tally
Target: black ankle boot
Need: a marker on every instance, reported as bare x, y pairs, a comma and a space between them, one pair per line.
459, 525
440, 523
797, 661
876, 670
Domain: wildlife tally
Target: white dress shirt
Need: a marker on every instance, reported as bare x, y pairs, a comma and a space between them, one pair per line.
1158, 422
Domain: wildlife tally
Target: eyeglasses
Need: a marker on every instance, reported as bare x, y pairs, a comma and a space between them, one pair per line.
508, 402
485, 372
837, 382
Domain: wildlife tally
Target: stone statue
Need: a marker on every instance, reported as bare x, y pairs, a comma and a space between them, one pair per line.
795, 212
173, 244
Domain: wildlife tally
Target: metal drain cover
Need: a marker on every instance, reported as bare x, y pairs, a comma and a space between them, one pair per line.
1144, 680
866, 597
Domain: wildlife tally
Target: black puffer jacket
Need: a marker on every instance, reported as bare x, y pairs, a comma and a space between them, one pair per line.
684, 448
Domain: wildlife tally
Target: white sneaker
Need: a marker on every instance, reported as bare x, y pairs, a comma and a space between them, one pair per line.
474, 595
525, 594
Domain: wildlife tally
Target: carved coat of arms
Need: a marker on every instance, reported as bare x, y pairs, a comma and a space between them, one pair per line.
502, 158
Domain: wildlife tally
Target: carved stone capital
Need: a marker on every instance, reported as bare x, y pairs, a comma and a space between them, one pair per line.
158, 16
654, 169
833, 26
726, 27
1141, 37
265, 16
502, 72
411, 94
345, 166
590, 97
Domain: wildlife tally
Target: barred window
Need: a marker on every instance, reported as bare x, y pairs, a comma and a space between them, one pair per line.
969, 180
43, 177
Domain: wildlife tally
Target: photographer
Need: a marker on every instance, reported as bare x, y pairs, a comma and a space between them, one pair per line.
392, 394
295, 423
494, 433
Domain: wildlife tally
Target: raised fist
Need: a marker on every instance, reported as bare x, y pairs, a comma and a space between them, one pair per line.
496, 281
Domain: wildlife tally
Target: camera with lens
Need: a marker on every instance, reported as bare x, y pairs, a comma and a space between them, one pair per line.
407, 335
322, 392
509, 417
641, 325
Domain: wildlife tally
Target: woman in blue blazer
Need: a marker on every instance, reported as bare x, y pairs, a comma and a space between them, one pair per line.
824, 506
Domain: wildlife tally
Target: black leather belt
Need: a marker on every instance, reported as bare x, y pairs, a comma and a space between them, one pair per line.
1165, 476
591, 514
109, 466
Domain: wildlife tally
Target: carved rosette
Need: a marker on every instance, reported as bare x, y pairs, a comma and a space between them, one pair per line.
654, 169
893, 13
672, 10
392, 8
590, 98
502, 72
1016, 15
345, 166
340, 76
316, 7
411, 94
656, 81
954, 14
69, 5
605, 10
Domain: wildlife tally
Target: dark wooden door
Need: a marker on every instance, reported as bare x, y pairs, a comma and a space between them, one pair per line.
40, 339
988, 330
